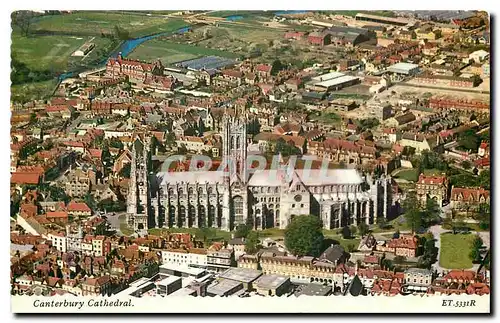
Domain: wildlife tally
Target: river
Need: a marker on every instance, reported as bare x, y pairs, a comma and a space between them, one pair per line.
126, 48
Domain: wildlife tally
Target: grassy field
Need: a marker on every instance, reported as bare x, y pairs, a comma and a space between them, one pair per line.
95, 23
408, 174
455, 250
45, 52
430, 172
169, 52
124, 228
328, 118
32, 91
255, 34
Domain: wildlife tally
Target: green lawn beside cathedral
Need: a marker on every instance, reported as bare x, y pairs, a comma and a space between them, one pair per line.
455, 249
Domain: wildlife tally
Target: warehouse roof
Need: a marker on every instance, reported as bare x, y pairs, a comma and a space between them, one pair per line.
270, 281
244, 275
336, 81
402, 68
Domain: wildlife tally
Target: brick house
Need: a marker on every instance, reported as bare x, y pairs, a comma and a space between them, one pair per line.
435, 187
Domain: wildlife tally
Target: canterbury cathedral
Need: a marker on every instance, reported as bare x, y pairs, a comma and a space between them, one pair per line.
263, 198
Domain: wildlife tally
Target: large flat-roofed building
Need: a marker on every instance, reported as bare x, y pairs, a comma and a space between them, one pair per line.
349, 36
168, 285
331, 82
181, 270
398, 21
404, 68
224, 287
246, 276
138, 288
272, 285
313, 290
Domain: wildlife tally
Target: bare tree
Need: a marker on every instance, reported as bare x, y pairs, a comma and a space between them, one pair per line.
22, 19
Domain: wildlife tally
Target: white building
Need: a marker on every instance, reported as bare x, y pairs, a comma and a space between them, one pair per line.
58, 240
404, 69
479, 55
183, 257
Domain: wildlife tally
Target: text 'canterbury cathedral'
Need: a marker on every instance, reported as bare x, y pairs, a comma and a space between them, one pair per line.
264, 198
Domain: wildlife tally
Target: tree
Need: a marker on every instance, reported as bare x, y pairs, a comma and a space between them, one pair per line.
89, 200
276, 67
206, 233
399, 260
304, 236
285, 148
432, 211
408, 151
121, 33
363, 229
346, 232
412, 214
447, 222
368, 123
353, 229
125, 171
474, 255
484, 179
483, 215
469, 140
381, 222
252, 242
22, 19
466, 164
351, 247
242, 231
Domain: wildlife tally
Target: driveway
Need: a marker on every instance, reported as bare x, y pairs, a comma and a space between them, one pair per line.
436, 231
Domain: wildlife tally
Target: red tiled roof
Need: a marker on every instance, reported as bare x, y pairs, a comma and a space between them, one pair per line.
482, 162
96, 153
423, 179
469, 194
232, 73
465, 275
57, 214
263, 68
409, 242
25, 178
78, 207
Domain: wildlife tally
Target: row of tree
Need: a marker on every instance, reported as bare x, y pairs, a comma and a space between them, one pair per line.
418, 217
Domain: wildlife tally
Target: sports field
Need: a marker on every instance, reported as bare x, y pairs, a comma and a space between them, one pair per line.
52, 52
95, 23
169, 52
45, 52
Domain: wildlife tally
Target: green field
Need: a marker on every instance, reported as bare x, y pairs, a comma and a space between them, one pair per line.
32, 91
95, 23
408, 174
430, 172
45, 52
169, 52
327, 118
455, 250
